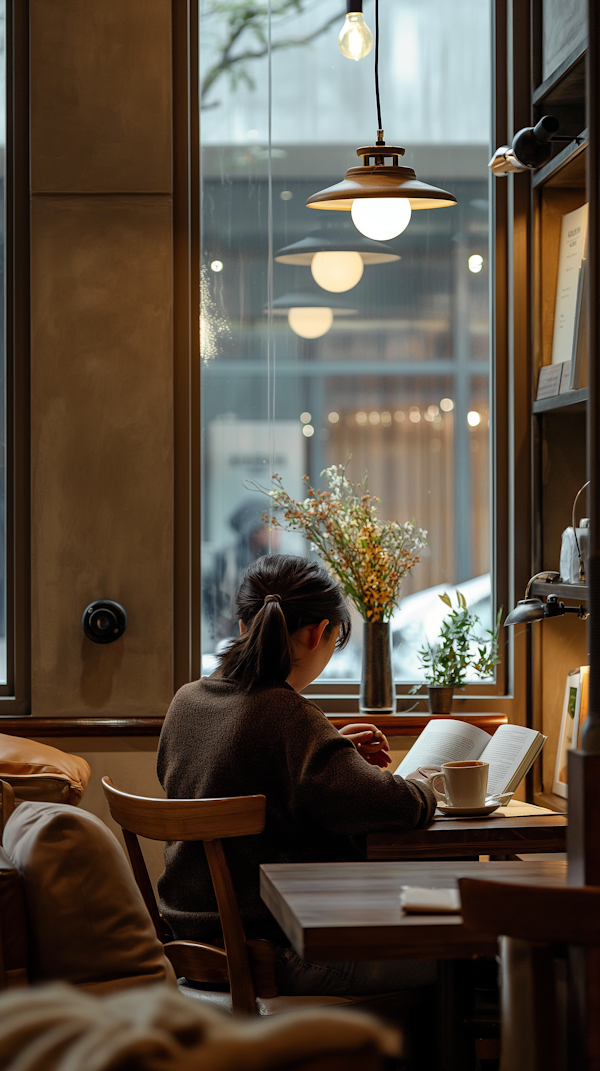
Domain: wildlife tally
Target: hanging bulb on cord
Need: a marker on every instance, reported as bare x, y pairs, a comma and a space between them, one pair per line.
381, 218
355, 40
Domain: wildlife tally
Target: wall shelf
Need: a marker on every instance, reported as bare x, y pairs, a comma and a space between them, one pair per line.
577, 592
573, 400
567, 168
550, 800
566, 85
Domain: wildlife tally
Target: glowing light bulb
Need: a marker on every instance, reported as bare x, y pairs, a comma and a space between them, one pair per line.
310, 322
355, 40
337, 271
381, 218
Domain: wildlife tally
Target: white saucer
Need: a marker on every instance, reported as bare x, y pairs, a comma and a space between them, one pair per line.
470, 812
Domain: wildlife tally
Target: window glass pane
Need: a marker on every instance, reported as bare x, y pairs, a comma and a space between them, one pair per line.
395, 378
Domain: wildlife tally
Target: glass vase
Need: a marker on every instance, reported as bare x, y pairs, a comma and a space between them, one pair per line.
377, 687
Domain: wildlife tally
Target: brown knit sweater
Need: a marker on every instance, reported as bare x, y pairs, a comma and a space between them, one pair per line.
219, 741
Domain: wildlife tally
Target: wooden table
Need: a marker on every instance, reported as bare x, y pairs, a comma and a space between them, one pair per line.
445, 839
349, 911
346, 911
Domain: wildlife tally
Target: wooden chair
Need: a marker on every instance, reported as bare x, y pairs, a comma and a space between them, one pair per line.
247, 966
549, 936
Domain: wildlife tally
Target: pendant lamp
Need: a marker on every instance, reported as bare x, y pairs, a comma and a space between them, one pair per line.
309, 315
336, 255
380, 196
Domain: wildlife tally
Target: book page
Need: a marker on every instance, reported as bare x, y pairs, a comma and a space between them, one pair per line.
571, 253
444, 741
508, 750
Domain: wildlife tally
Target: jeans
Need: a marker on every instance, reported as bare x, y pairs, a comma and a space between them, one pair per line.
300, 978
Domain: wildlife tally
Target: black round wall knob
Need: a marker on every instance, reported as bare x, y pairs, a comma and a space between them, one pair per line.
104, 621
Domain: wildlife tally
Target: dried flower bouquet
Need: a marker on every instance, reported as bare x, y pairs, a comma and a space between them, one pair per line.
369, 557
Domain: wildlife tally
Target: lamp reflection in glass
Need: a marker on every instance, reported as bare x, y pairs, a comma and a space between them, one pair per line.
532, 609
355, 39
310, 322
309, 315
336, 255
337, 271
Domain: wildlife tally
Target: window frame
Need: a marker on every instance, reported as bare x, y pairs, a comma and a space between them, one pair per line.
15, 695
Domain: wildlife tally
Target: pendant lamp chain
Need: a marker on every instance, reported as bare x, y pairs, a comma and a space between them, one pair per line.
380, 140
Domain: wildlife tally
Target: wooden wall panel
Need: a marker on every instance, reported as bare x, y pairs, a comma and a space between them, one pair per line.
101, 352
101, 96
101, 450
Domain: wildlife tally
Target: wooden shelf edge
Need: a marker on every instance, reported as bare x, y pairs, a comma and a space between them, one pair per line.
561, 160
549, 799
577, 592
570, 400
561, 73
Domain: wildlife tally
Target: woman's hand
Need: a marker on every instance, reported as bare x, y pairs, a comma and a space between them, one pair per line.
370, 742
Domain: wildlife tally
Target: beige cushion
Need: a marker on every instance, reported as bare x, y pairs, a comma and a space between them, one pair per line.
25, 761
87, 921
54, 1028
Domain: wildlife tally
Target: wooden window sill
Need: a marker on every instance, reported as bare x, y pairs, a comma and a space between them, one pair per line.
390, 724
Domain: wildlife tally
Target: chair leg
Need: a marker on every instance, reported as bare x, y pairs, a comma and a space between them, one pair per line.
456, 1049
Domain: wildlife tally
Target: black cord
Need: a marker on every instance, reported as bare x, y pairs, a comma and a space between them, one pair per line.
379, 123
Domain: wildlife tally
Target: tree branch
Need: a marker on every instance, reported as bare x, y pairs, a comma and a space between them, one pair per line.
248, 20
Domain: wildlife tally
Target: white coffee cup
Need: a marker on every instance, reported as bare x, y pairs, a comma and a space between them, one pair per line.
464, 783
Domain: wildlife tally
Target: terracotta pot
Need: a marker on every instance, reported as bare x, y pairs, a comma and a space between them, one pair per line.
440, 699
377, 687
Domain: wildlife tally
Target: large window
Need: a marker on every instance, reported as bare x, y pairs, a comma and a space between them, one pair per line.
398, 385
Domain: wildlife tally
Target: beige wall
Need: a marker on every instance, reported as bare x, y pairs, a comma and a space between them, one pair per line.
102, 352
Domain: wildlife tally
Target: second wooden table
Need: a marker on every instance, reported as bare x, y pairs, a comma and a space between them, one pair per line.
459, 839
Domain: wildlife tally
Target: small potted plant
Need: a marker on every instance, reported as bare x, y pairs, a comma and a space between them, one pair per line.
460, 647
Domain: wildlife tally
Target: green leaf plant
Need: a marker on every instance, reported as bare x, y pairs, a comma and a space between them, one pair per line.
460, 647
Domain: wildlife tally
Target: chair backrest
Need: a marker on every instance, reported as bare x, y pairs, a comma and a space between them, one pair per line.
535, 923
208, 821
532, 912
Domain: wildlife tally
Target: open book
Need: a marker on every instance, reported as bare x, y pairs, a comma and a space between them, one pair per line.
510, 752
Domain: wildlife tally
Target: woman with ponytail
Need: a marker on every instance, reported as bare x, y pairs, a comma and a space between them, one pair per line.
246, 730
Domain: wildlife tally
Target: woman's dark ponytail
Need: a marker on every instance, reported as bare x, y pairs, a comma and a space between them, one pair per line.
278, 595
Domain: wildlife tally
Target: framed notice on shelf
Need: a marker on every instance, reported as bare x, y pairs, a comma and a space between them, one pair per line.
567, 307
579, 361
549, 381
569, 726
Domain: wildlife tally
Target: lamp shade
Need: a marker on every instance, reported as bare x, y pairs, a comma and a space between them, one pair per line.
336, 237
336, 255
526, 610
306, 299
380, 180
